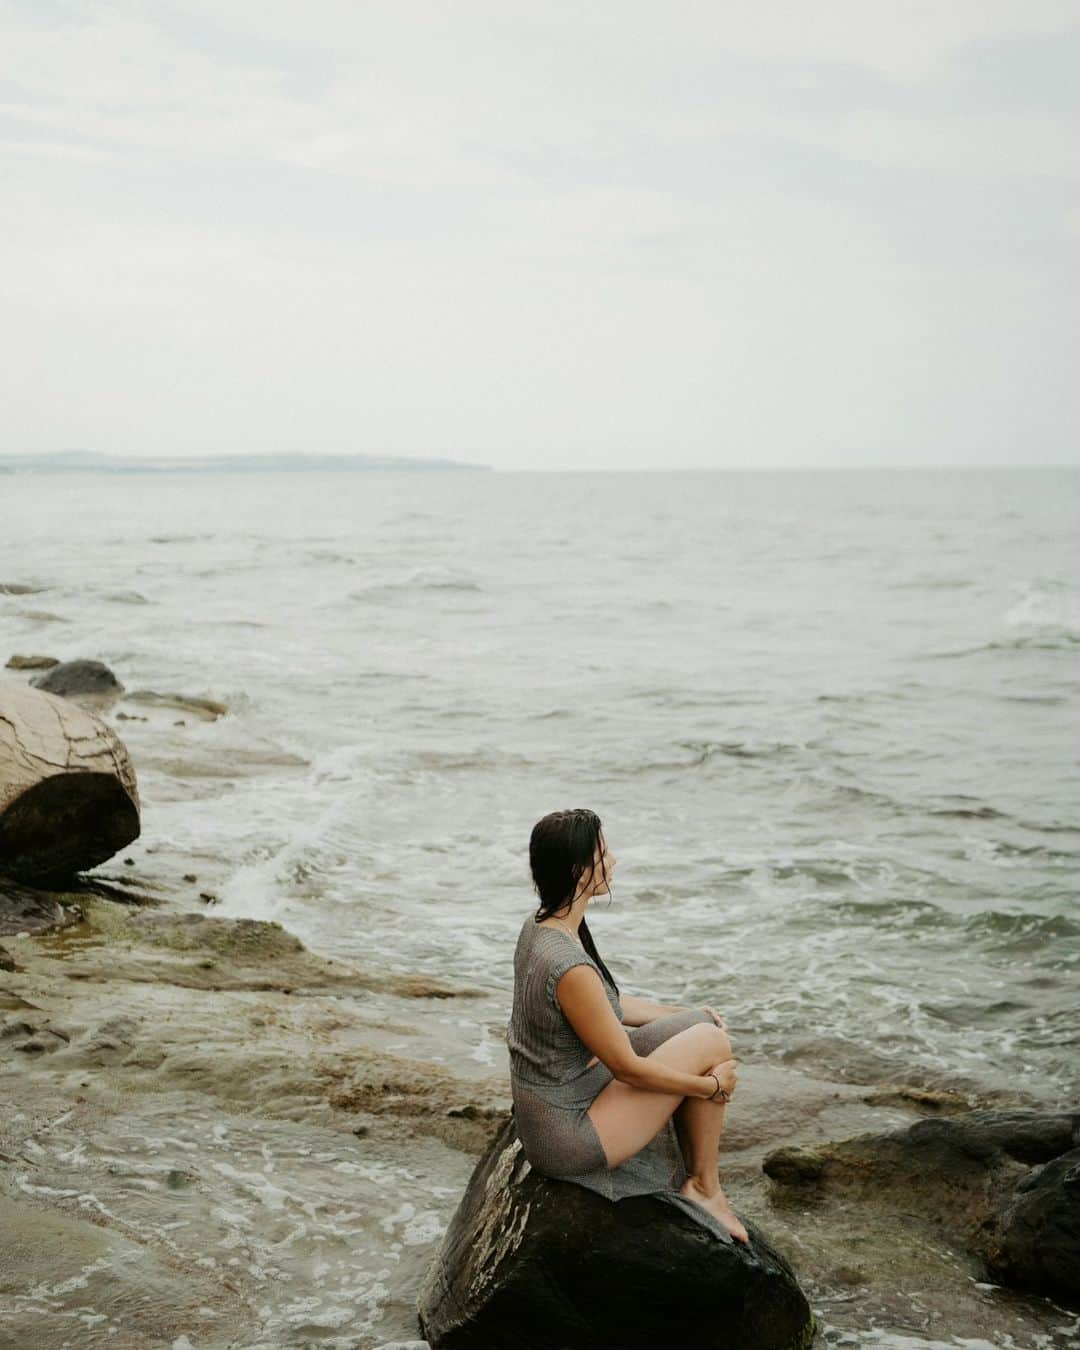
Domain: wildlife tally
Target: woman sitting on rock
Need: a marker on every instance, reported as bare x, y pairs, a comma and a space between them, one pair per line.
605, 1122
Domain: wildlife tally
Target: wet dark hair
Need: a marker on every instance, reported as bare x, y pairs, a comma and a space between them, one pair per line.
562, 845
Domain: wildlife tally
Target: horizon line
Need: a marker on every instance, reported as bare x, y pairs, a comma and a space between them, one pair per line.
94, 461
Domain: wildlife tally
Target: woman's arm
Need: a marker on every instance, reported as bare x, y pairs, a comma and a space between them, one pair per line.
638, 1011
585, 1006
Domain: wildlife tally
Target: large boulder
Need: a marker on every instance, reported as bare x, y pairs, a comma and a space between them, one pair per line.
1038, 1233
68, 796
1005, 1183
530, 1264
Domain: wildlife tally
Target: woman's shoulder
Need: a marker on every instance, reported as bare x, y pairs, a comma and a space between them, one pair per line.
548, 939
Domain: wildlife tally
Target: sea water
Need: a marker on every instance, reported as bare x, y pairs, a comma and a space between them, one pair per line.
829, 720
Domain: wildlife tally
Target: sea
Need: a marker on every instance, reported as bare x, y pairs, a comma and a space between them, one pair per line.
830, 721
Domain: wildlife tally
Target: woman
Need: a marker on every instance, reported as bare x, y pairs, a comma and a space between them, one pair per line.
605, 1122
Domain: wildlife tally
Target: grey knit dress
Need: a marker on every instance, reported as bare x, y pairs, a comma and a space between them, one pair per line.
552, 1085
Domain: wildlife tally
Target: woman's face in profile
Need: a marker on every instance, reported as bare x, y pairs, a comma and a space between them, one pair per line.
602, 858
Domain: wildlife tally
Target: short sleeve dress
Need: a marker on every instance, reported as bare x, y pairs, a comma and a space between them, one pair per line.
552, 1083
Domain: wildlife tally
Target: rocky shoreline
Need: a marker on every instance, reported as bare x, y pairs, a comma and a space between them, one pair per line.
207, 1137
136, 1011
216, 1137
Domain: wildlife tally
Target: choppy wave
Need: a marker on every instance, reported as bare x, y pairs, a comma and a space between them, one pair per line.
418, 581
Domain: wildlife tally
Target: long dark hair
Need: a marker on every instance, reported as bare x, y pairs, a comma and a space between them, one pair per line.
562, 845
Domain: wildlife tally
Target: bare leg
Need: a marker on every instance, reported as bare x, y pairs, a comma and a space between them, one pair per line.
626, 1118
698, 1124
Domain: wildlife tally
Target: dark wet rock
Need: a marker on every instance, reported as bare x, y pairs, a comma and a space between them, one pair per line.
7, 961
109, 890
793, 1165
18, 662
1005, 1183
1037, 1242
208, 709
68, 796
529, 1263
1027, 1136
71, 679
470, 1111
26, 910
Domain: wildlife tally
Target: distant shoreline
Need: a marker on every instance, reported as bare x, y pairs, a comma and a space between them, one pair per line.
91, 462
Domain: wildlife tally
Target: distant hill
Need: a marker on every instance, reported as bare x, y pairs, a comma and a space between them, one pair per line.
89, 461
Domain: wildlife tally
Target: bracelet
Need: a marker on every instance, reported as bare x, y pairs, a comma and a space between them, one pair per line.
720, 1092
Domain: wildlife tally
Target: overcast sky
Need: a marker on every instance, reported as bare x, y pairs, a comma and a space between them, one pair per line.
607, 234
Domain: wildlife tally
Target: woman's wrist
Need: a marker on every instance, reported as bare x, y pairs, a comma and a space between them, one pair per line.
716, 1093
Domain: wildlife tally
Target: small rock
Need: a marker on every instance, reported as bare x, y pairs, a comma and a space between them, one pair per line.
129, 862
207, 896
32, 662
925, 1100
190, 876
70, 679
209, 709
470, 1111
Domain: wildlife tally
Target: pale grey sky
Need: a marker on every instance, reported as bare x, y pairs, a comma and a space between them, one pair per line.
600, 235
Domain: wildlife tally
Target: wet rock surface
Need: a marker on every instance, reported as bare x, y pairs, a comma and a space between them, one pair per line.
270, 1144
208, 1105
1005, 1184
1036, 1241
529, 1263
25, 909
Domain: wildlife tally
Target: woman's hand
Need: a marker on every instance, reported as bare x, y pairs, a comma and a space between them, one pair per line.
715, 1017
726, 1075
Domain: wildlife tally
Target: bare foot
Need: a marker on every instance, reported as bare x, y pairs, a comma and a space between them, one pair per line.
718, 1207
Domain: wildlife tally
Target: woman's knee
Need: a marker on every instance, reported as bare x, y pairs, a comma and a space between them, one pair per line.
714, 1041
